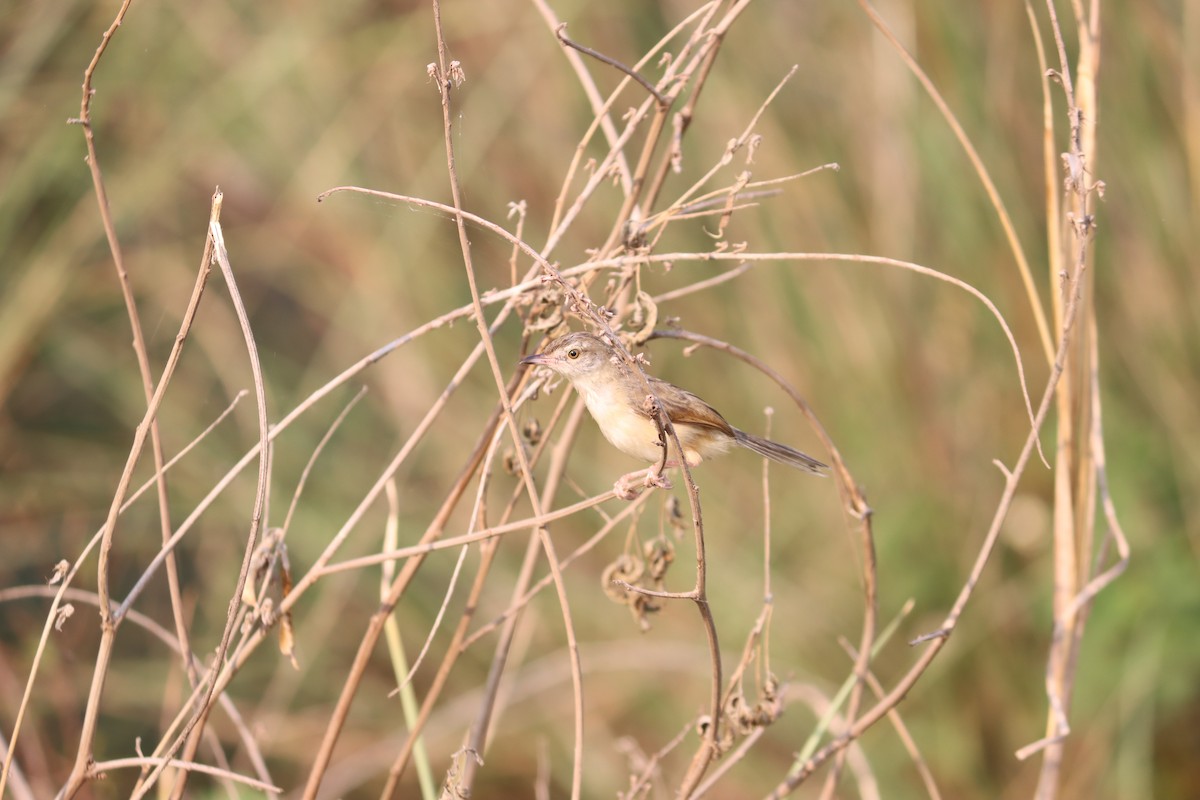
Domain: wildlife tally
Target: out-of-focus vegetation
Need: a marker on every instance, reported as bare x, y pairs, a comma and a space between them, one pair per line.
913, 379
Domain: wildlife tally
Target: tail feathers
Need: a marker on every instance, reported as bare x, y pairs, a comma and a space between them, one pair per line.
780, 452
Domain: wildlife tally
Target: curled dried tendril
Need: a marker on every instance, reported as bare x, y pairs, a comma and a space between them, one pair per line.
743, 718
644, 571
545, 309
630, 571
643, 319
625, 568
532, 432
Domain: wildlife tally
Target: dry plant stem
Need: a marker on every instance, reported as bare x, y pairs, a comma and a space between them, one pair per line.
1081, 603
1105, 577
657, 126
708, 748
139, 347
487, 555
910, 744
700, 286
478, 519
400, 667
198, 720
650, 770
186, 767
51, 619
108, 620
560, 32
768, 599
18, 784
1010, 232
395, 641
562, 221
445, 84
316, 453
480, 729
1055, 251
738, 753
1077, 473
937, 640
379, 618
517, 210
466, 538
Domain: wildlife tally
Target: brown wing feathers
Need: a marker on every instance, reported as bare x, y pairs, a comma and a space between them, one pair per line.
685, 408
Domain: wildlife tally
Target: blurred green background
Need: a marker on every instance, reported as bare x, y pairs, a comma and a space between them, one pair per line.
913, 379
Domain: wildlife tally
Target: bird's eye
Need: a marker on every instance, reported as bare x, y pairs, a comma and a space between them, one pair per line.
573, 353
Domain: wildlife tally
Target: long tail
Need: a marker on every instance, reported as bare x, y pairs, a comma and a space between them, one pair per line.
779, 452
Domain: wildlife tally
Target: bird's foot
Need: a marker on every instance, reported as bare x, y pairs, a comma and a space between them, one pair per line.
628, 487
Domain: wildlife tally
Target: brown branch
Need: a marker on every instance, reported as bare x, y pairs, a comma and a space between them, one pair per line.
187, 767
538, 520
110, 620
560, 32
196, 724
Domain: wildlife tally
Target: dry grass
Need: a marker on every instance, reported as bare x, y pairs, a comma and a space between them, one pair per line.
429, 550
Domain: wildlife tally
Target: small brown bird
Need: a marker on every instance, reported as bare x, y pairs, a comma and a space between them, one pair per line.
616, 398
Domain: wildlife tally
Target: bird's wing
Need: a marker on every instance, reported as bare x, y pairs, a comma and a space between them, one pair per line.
685, 408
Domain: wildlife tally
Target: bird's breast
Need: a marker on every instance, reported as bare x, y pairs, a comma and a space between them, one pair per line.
624, 428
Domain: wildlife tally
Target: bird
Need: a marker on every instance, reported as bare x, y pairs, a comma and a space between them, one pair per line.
616, 396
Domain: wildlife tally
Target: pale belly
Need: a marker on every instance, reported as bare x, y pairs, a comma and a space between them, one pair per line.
637, 436
629, 432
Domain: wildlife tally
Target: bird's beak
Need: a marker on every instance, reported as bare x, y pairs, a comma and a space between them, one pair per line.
540, 359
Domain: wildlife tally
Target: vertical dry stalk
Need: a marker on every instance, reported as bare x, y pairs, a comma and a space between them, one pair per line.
1079, 466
